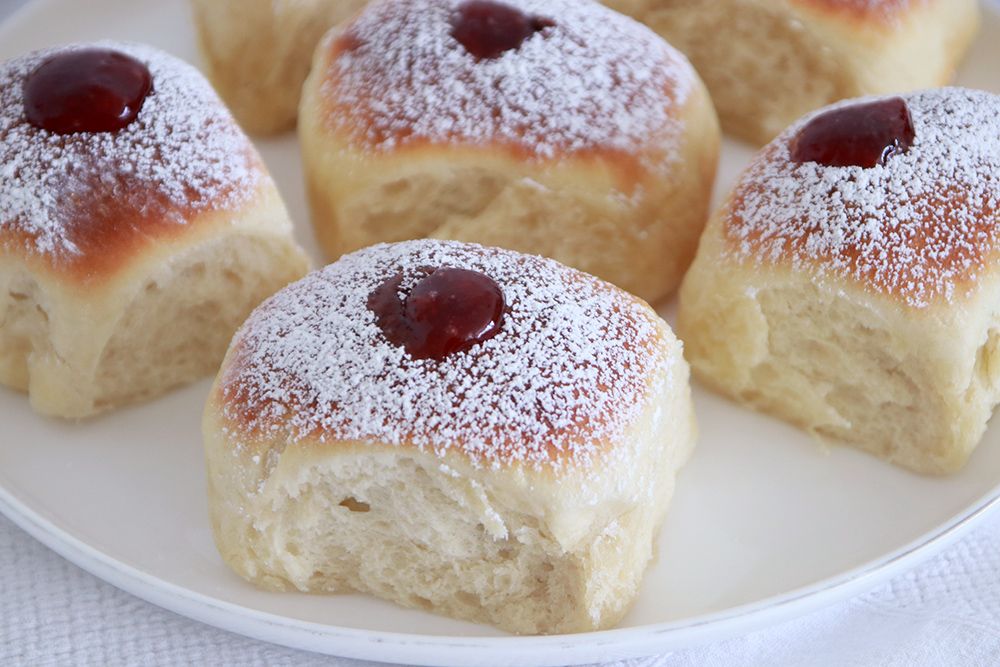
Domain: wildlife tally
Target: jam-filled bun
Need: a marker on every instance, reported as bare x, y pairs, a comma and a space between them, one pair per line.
258, 52
850, 284
556, 127
138, 227
467, 430
768, 62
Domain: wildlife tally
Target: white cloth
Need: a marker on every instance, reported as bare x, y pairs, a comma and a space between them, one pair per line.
945, 612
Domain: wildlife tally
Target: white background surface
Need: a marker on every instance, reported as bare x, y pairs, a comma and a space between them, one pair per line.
946, 612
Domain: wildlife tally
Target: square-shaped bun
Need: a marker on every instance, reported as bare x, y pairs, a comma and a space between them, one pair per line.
520, 482
768, 62
861, 303
129, 257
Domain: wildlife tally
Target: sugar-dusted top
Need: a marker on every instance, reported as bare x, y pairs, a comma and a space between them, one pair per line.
922, 227
571, 368
81, 201
593, 81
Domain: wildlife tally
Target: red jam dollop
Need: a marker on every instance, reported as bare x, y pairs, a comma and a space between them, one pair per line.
447, 311
860, 135
86, 90
487, 29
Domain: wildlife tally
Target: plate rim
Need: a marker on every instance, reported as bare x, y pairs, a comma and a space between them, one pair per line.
473, 651
468, 651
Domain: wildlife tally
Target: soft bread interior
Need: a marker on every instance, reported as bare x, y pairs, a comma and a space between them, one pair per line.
529, 551
179, 325
82, 354
397, 527
914, 387
23, 321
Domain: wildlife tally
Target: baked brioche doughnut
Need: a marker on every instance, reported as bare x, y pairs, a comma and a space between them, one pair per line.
506, 459
768, 62
862, 303
138, 227
556, 127
257, 53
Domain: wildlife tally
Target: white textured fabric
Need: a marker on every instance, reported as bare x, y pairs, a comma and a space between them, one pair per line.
946, 612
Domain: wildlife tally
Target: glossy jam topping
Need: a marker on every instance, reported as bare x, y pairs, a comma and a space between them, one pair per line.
488, 29
86, 90
447, 311
861, 135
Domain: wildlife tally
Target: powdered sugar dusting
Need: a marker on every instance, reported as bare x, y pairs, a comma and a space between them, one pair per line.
922, 227
183, 154
596, 80
571, 367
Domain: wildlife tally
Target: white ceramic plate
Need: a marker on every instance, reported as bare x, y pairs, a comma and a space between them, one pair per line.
766, 524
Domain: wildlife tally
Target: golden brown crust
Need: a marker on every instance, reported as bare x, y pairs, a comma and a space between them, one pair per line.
921, 228
83, 205
574, 363
110, 234
527, 103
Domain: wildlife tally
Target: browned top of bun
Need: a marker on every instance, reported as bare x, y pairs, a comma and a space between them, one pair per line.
575, 361
83, 204
922, 228
594, 83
